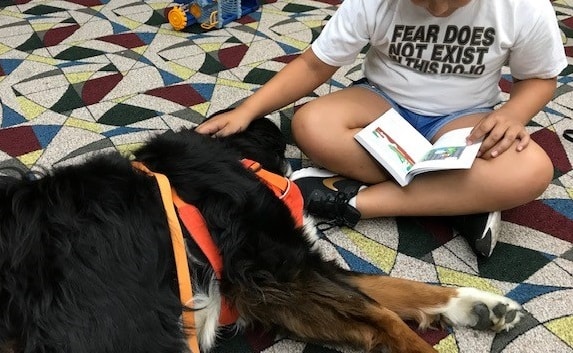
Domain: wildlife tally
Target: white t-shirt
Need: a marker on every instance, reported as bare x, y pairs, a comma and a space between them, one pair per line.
436, 66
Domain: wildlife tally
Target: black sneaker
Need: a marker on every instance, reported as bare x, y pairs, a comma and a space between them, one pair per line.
480, 230
326, 195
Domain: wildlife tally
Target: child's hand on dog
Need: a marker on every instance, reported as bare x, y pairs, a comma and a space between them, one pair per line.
224, 124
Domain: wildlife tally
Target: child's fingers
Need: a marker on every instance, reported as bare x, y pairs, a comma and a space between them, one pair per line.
226, 131
216, 126
208, 128
229, 129
479, 132
523, 142
505, 141
491, 140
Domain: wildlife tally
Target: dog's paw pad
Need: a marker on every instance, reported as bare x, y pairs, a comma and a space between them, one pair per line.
500, 309
482, 310
511, 315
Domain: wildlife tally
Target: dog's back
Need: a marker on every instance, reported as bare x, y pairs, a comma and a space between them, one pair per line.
252, 228
83, 262
85, 250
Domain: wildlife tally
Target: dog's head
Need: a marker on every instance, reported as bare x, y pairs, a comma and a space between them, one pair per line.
262, 141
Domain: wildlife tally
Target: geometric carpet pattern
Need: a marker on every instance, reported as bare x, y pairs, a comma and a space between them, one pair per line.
82, 76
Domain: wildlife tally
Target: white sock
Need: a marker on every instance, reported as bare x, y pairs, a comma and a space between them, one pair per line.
352, 201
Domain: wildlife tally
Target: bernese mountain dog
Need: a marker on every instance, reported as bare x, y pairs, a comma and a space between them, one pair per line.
87, 263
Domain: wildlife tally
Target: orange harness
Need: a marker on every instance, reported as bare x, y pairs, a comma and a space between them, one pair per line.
284, 189
192, 219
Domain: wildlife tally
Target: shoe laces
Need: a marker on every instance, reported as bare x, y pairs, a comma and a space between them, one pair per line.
334, 208
323, 226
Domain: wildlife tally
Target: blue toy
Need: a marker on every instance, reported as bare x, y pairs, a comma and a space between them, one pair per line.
209, 13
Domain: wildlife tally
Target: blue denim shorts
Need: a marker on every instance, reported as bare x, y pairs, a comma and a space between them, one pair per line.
426, 125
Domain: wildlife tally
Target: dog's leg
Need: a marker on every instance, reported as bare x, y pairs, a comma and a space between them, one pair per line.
428, 304
326, 310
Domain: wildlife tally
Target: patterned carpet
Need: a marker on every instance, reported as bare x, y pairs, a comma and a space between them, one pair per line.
89, 75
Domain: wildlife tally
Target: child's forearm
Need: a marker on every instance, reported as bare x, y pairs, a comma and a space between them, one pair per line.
294, 81
528, 97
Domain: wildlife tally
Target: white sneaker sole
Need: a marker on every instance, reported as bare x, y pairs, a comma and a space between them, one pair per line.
311, 172
487, 242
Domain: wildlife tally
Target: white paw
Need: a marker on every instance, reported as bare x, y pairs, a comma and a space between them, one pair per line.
481, 310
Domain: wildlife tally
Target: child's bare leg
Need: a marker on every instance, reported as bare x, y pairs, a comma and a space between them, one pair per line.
324, 130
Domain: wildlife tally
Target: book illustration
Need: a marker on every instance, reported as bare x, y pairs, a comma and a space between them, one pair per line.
404, 153
403, 157
444, 153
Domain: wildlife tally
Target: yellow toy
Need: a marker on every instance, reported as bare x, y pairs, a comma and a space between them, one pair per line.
209, 13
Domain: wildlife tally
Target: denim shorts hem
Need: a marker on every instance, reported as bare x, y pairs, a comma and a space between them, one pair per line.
426, 125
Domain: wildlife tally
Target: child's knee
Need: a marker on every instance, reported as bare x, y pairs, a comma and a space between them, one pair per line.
520, 177
537, 170
303, 125
544, 170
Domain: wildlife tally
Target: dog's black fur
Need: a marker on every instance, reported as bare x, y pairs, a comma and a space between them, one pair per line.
85, 256
86, 264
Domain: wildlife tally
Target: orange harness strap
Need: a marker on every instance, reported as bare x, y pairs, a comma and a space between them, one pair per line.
183, 275
197, 227
278, 181
284, 189
195, 223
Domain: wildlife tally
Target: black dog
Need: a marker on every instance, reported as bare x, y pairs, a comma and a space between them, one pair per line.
86, 263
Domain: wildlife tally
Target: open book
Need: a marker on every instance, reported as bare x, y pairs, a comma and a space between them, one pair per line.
405, 153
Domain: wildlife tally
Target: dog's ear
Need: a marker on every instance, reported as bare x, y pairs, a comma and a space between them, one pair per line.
262, 141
